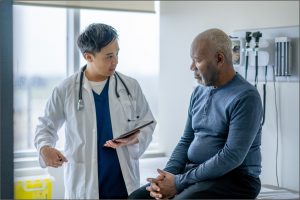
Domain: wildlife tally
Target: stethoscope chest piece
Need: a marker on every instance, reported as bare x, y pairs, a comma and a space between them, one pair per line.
80, 104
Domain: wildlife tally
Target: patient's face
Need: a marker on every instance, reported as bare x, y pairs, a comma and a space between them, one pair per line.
204, 64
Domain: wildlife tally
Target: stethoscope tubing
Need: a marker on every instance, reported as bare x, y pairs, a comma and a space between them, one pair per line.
80, 104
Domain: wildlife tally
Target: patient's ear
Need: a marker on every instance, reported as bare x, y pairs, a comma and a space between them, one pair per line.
220, 58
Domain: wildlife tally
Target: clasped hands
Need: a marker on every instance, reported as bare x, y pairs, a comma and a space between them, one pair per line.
163, 186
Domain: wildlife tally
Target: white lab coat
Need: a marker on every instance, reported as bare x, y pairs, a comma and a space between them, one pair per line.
81, 171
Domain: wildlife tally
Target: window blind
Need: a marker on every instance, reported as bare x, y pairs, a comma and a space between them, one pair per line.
138, 6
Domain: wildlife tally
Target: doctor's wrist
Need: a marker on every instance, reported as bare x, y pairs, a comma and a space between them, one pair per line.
43, 148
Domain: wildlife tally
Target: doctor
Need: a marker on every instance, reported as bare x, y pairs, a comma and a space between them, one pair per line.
96, 105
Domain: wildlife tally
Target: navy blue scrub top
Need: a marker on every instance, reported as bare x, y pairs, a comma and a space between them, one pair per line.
111, 182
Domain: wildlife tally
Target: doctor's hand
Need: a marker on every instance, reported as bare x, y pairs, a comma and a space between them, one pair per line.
52, 157
133, 139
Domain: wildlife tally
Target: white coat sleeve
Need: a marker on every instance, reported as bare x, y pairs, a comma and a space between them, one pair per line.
145, 115
48, 124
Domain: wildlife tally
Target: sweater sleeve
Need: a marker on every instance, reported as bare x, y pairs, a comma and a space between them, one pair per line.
245, 119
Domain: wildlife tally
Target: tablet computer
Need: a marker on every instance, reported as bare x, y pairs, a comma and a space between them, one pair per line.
129, 133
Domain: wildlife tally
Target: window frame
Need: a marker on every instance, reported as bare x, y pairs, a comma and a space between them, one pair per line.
6, 101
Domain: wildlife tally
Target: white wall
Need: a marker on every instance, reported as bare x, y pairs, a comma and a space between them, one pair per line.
180, 22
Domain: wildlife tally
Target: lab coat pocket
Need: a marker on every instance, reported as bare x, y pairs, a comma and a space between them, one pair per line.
134, 168
75, 180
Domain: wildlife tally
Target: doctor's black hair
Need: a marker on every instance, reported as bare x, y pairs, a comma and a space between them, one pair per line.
95, 37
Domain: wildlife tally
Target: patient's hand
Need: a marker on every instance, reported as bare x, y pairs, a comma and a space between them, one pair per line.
154, 188
163, 186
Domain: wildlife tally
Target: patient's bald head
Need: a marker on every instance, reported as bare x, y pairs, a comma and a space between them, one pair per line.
217, 41
212, 58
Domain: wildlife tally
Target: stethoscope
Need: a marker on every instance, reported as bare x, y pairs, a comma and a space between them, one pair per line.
80, 104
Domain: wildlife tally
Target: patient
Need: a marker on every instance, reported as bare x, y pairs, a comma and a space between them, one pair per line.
218, 155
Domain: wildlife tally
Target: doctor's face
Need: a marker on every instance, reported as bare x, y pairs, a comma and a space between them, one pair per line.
204, 64
104, 63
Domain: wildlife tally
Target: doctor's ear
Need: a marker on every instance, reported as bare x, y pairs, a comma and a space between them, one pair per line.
88, 57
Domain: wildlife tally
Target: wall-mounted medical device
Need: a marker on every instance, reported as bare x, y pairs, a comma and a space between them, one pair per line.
283, 52
277, 48
237, 51
241, 49
251, 51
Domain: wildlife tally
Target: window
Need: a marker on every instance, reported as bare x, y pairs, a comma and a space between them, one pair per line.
40, 59
39, 35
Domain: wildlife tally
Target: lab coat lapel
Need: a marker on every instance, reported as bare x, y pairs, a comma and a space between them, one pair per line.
118, 121
86, 85
112, 103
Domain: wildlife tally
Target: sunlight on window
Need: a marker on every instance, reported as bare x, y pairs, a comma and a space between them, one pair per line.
39, 35
138, 39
